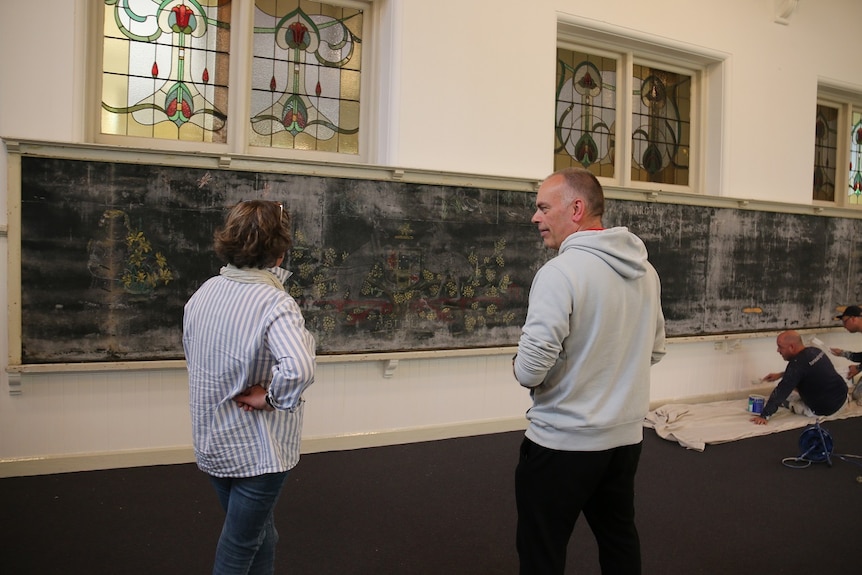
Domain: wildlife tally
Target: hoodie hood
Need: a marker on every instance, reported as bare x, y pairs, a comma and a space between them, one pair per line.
623, 251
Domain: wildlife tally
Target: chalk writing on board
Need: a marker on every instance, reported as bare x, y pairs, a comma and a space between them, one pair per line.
112, 251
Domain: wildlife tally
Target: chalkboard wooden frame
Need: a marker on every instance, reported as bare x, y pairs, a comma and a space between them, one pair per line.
102, 283
728, 266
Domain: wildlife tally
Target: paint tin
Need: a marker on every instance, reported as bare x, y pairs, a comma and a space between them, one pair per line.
755, 403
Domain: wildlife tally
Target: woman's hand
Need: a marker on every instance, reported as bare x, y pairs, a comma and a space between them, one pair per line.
253, 398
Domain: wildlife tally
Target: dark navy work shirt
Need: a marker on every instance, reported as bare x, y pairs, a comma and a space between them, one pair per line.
811, 374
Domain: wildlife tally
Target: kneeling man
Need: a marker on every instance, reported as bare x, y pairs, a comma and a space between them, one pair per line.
809, 373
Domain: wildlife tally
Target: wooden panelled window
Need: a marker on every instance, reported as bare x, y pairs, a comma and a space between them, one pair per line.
169, 72
640, 111
661, 126
305, 79
825, 152
838, 147
586, 111
854, 181
165, 70
591, 106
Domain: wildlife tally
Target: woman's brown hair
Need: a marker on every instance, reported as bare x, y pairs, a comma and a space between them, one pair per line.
256, 233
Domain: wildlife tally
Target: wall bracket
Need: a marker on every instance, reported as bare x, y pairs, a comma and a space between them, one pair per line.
389, 368
15, 387
784, 9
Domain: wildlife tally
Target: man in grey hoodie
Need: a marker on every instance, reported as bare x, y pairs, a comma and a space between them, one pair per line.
594, 327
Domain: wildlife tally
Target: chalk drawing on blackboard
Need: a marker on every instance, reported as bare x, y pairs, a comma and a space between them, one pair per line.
398, 286
122, 255
388, 266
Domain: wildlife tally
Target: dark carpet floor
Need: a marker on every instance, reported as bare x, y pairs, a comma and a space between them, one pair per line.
447, 507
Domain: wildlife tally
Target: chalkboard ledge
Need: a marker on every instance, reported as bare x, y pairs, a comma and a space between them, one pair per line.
723, 342
16, 372
731, 337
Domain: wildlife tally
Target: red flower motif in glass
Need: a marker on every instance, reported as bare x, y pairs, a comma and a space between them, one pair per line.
298, 37
181, 15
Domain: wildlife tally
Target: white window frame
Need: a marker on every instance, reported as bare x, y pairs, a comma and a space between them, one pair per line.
708, 70
239, 99
847, 100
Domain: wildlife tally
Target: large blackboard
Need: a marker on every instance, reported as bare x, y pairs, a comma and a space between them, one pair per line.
726, 270
110, 252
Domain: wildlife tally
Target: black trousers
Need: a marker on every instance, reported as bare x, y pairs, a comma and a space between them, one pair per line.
553, 487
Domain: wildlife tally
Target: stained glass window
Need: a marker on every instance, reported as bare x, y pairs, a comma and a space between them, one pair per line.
661, 126
306, 76
855, 179
586, 112
825, 151
587, 116
165, 69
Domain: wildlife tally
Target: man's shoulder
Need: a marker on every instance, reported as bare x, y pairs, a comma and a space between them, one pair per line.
806, 355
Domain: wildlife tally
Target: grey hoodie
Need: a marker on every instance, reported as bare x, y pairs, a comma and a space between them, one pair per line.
593, 329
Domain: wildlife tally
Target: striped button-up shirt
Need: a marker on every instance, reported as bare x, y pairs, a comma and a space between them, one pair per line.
237, 335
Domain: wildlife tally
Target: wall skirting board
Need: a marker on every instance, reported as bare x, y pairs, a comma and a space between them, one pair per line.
184, 454
94, 461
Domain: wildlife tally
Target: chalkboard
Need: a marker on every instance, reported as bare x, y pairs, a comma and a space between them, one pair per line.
110, 253
726, 270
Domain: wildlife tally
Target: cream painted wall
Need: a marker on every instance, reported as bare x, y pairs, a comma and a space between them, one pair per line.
501, 129
466, 93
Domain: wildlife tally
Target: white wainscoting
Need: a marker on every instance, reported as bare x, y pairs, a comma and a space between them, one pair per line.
78, 420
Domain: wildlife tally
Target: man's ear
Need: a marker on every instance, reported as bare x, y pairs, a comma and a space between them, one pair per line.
579, 210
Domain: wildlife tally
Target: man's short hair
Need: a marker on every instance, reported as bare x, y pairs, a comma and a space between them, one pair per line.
583, 183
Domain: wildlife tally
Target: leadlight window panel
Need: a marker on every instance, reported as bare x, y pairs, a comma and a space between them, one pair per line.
306, 73
661, 125
825, 152
855, 177
165, 69
585, 112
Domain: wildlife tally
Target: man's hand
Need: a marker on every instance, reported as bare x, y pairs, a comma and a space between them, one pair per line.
759, 420
253, 398
836, 351
773, 376
852, 371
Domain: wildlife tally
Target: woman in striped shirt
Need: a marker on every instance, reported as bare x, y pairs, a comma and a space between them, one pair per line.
249, 360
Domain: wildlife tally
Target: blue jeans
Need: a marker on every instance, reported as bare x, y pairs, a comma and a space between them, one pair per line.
248, 538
